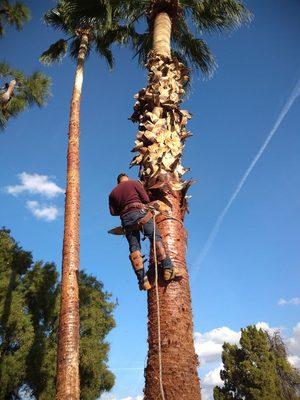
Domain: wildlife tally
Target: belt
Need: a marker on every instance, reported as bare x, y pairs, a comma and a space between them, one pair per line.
132, 206
139, 224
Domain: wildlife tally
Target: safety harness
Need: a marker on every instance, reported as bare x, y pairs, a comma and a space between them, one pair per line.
151, 210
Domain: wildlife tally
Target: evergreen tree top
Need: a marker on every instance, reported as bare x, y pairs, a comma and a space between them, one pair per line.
257, 369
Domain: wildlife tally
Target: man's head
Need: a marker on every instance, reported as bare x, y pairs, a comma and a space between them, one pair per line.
122, 178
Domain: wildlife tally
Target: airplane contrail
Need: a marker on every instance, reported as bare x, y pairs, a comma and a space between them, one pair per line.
216, 228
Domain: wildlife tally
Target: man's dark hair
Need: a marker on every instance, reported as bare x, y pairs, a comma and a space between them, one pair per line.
120, 176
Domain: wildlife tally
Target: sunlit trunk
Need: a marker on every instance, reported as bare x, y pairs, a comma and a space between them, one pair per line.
159, 144
6, 96
67, 381
162, 34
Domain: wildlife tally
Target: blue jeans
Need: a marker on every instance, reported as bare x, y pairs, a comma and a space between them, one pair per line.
134, 237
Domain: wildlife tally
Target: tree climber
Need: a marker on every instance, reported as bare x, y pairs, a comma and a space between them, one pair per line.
129, 201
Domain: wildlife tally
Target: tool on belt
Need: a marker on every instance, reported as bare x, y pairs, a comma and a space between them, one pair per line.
119, 230
151, 209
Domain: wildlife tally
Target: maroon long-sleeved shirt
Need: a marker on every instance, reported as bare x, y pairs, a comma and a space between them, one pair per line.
125, 193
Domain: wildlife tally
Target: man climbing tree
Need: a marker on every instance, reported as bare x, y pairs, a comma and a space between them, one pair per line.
129, 200
159, 144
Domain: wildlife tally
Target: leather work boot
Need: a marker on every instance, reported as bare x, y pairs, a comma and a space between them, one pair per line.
138, 266
171, 273
144, 284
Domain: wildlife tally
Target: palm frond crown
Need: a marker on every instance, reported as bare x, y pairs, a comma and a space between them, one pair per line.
101, 18
30, 90
191, 19
14, 14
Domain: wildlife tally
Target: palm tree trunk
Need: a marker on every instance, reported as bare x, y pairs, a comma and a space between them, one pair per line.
160, 143
67, 378
162, 34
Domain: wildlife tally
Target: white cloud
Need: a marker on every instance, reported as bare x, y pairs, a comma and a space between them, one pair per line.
293, 345
295, 361
48, 213
133, 398
266, 327
212, 378
35, 184
108, 396
209, 381
295, 301
209, 345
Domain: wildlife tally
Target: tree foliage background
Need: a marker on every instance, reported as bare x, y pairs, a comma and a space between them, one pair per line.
257, 369
29, 305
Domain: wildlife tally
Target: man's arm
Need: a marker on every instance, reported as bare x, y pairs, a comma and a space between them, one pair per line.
142, 193
112, 208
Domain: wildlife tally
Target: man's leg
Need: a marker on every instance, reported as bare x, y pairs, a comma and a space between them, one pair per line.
162, 257
136, 259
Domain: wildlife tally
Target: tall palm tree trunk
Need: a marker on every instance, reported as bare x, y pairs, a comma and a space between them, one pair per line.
160, 143
67, 378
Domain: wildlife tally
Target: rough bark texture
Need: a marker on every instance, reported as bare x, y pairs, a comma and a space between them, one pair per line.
67, 383
159, 144
179, 361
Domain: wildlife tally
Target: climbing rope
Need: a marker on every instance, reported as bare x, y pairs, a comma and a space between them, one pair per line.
158, 309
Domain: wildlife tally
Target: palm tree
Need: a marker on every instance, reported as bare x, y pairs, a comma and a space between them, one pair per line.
87, 25
170, 49
13, 14
20, 91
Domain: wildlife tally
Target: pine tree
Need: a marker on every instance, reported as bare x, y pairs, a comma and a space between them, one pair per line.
29, 308
257, 369
16, 330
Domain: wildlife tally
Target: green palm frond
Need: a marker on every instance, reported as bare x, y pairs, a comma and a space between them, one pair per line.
134, 10
14, 14
216, 15
55, 18
55, 53
105, 52
102, 20
194, 50
36, 89
142, 42
87, 13
17, 15
5, 69
30, 90
205, 16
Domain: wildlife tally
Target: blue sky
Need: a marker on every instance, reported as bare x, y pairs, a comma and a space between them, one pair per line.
254, 261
